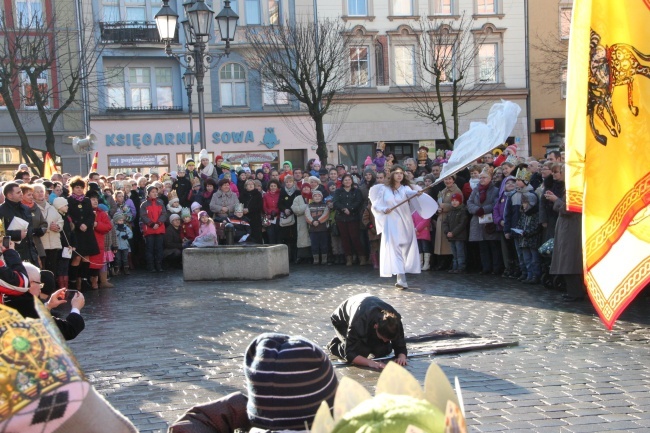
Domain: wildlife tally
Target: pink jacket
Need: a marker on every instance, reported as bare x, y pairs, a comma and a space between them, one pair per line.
421, 226
207, 229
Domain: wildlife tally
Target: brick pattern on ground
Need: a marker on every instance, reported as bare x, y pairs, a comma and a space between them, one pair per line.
154, 345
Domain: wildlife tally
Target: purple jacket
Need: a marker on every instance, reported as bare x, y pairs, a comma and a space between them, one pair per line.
498, 212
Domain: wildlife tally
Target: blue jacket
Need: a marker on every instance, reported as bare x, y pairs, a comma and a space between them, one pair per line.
123, 244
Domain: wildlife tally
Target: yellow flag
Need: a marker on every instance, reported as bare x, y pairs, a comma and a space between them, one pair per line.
607, 151
48, 166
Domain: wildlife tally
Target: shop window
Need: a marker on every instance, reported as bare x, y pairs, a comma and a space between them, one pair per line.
404, 65
359, 67
232, 85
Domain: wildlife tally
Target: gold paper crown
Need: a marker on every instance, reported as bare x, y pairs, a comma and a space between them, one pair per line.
523, 175
381, 145
488, 170
396, 385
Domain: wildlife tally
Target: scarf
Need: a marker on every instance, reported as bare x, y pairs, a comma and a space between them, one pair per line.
482, 191
208, 194
473, 183
78, 197
28, 203
306, 196
291, 190
208, 169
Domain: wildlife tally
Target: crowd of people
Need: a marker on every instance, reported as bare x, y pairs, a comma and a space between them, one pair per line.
492, 217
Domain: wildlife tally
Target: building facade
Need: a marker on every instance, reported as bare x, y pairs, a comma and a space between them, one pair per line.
549, 24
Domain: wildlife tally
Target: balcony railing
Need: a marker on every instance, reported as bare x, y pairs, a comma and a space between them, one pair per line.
131, 32
141, 109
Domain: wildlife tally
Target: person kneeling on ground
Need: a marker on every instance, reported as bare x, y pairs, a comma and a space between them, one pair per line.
367, 327
287, 379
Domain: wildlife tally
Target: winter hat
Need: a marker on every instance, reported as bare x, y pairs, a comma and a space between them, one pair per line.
103, 207
194, 206
367, 162
173, 217
225, 166
313, 179
118, 216
59, 202
202, 214
203, 154
188, 160
218, 158
150, 187
457, 196
55, 395
530, 198
323, 171
316, 163
289, 164
316, 192
513, 149
287, 379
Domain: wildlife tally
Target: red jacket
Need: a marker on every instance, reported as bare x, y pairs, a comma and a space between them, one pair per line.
189, 231
270, 201
153, 212
104, 226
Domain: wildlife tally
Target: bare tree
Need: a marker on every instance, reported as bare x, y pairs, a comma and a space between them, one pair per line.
449, 74
550, 54
42, 72
309, 63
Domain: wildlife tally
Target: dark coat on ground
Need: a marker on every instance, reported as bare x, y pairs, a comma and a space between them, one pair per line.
354, 322
224, 415
81, 212
567, 247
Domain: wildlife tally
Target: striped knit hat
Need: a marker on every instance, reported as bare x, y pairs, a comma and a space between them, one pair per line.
287, 379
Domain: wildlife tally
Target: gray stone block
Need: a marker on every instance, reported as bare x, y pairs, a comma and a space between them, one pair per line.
236, 262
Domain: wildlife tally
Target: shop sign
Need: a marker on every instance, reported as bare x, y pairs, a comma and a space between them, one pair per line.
138, 160
251, 157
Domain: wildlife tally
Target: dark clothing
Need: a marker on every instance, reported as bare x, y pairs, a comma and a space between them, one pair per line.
456, 223
224, 415
351, 200
154, 251
173, 239
354, 321
252, 200
81, 212
183, 186
12, 271
26, 248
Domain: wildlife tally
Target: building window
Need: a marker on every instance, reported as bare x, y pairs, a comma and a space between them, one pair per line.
563, 78
445, 58
358, 8
404, 65
359, 67
130, 10
29, 13
487, 63
442, 7
115, 88
29, 100
110, 11
565, 22
232, 85
275, 12
403, 7
234, 5
6, 156
379, 64
272, 97
486, 6
146, 88
252, 11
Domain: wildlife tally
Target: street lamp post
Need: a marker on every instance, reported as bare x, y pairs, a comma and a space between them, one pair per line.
188, 82
197, 29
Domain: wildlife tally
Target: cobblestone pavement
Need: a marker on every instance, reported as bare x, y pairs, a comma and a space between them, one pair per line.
155, 346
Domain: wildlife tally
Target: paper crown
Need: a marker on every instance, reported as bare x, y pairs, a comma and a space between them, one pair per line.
172, 195
239, 207
399, 403
512, 160
381, 145
488, 170
523, 175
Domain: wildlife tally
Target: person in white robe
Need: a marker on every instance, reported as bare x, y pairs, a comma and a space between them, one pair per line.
399, 249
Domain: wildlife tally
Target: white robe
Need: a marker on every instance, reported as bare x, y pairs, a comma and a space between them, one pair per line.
399, 249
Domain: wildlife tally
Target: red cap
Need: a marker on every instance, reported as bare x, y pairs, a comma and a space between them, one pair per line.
457, 196
218, 158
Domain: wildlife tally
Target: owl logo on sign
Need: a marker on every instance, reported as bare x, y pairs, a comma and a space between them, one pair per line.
269, 140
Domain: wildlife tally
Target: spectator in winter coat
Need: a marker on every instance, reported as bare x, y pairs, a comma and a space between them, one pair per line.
153, 216
454, 227
528, 236
124, 233
173, 242
183, 186
423, 235
223, 201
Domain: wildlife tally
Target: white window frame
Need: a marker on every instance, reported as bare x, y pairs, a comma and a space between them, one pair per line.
564, 22
481, 7
440, 9
400, 71
495, 66
234, 84
252, 7
358, 13
27, 20
141, 89
395, 4
359, 62
24, 81
161, 85
150, 7
271, 97
113, 82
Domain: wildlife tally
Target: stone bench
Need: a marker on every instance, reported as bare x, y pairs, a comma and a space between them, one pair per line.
235, 262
